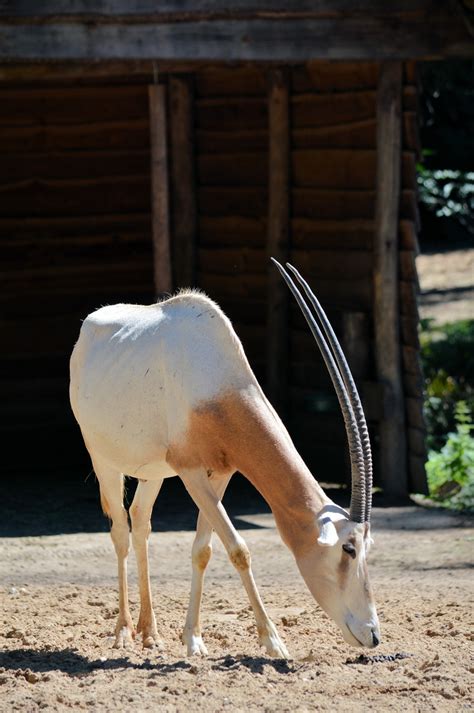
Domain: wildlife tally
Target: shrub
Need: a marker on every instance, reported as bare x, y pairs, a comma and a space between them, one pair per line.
448, 362
451, 471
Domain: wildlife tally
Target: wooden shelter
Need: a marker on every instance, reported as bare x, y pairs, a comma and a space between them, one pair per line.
146, 146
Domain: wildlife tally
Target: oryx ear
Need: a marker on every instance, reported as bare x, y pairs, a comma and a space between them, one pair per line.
328, 535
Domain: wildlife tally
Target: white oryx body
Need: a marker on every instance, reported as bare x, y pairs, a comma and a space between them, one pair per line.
138, 372
166, 389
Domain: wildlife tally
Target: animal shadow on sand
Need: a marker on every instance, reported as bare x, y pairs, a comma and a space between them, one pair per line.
69, 661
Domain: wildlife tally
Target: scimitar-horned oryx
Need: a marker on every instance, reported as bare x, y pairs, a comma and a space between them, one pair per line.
166, 389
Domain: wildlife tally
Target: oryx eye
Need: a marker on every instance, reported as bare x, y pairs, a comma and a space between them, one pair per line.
350, 549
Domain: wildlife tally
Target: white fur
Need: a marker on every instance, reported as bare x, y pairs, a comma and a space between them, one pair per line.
133, 402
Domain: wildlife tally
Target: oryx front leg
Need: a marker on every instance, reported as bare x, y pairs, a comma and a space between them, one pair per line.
203, 494
201, 554
140, 514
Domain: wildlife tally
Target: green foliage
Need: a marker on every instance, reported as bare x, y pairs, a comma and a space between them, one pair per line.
451, 471
448, 194
448, 362
445, 176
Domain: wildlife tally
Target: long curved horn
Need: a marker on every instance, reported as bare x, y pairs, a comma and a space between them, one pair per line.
358, 483
350, 386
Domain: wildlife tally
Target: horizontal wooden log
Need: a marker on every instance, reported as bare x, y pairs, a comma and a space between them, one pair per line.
324, 76
235, 286
308, 203
336, 234
62, 198
330, 264
232, 113
73, 277
231, 81
232, 261
337, 168
105, 135
356, 293
57, 228
244, 140
232, 231
222, 202
332, 204
49, 300
315, 110
56, 253
73, 164
65, 105
352, 169
248, 169
353, 134
279, 39
347, 265
112, 10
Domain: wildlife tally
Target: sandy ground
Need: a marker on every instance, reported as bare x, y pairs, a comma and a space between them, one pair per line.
59, 602
446, 284
58, 599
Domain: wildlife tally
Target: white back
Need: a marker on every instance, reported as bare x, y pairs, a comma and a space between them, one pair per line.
138, 371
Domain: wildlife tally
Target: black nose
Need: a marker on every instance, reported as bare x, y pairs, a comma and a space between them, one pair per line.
375, 639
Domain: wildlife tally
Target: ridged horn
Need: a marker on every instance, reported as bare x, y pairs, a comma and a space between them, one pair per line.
358, 481
350, 387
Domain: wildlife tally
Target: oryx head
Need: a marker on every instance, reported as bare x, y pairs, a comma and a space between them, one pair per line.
335, 565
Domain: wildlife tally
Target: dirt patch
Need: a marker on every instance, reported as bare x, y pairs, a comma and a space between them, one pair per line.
59, 603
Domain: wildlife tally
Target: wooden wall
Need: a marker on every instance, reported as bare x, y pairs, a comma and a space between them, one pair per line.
332, 172
74, 234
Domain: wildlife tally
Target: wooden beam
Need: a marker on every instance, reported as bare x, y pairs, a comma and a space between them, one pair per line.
278, 236
393, 452
104, 10
228, 37
159, 189
183, 184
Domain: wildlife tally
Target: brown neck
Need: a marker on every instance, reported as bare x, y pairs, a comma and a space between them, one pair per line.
268, 458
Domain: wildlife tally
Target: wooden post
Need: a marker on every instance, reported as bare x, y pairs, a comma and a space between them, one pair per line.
278, 237
393, 451
159, 189
183, 184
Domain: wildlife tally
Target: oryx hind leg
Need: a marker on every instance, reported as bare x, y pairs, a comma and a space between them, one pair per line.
140, 516
111, 496
198, 485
